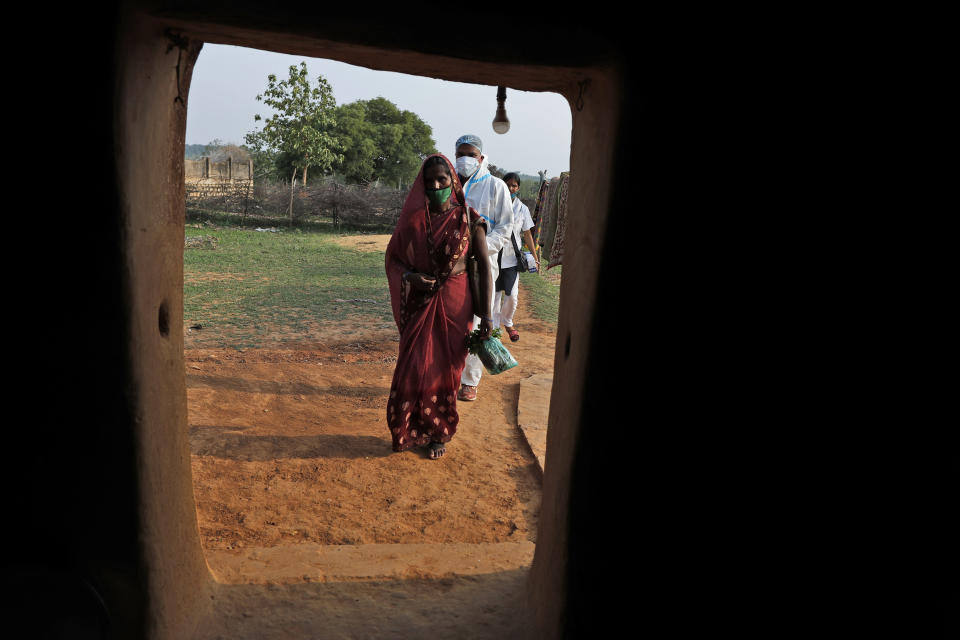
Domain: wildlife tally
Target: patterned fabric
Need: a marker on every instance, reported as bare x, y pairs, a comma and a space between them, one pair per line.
550, 213
556, 251
433, 326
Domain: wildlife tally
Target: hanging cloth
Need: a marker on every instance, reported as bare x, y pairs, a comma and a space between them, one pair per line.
556, 250
550, 214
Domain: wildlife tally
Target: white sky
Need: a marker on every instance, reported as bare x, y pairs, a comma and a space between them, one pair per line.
227, 79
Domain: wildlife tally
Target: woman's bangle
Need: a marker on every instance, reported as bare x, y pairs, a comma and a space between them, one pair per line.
405, 274
490, 320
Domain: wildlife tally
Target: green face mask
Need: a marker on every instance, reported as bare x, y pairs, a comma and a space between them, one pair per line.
438, 196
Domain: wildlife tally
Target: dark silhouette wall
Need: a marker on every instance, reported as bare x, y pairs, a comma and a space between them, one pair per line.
99, 526
104, 496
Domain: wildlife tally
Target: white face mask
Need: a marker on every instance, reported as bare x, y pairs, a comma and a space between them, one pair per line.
466, 165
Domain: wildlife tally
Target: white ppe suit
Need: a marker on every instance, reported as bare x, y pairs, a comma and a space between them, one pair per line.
490, 196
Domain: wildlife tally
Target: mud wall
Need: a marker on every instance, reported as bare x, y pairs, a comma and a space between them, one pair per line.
229, 169
158, 276
117, 299
196, 169
154, 80
205, 177
178, 578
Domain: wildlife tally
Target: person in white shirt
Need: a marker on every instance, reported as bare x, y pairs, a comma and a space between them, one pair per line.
507, 282
490, 197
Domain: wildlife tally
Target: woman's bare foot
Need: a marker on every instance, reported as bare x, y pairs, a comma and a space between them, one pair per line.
436, 450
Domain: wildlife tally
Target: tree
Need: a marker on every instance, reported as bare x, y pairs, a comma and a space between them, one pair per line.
495, 170
191, 151
529, 186
301, 129
379, 141
358, 142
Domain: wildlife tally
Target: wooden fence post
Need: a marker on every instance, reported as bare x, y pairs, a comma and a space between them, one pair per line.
293, 182
336, 206
246, 199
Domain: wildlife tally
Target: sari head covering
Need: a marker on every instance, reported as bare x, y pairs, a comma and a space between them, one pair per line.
410, 247
417, 198
433, 324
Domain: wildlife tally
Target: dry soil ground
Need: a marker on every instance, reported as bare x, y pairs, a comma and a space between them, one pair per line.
300, 499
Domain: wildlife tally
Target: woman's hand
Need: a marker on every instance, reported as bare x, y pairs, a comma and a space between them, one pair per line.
486, 328
421, 281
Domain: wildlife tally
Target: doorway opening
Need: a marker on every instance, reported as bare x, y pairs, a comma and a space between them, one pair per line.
153, 79
290, 345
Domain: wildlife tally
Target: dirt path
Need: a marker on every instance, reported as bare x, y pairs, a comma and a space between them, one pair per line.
372, 242
290, 446
308, 519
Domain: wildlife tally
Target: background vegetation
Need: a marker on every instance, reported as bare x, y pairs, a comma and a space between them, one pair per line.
323, 206
543, 293
319, 169
366, 142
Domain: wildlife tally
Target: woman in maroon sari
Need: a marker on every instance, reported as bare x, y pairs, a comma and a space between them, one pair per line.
430, 294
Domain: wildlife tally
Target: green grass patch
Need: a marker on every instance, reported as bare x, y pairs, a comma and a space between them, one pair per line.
544, 292
253, 282
244, 286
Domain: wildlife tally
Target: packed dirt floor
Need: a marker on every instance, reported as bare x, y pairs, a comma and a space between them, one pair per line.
301, 501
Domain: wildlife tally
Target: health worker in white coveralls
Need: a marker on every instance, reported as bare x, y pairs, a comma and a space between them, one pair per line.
506, 286
489, 195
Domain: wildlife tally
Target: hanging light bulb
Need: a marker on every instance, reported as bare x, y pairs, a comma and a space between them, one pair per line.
500, 123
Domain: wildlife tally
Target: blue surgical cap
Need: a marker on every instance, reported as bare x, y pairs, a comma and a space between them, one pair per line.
470, 139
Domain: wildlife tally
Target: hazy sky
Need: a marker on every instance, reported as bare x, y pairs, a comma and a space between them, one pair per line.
227, 79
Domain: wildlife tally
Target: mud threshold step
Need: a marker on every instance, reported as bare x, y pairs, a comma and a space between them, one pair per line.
346, 563
533, 413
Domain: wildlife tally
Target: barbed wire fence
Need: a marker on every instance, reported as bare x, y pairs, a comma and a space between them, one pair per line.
327, 204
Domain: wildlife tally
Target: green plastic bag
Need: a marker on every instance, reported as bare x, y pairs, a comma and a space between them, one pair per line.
494, 356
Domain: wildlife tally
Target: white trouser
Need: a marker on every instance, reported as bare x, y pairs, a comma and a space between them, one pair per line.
473, 368
505, 305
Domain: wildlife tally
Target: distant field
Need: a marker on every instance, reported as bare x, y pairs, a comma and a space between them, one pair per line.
246, 288
253, 282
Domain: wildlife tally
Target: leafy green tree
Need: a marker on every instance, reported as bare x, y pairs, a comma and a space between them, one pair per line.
301, 129
529, 185
265, 166
380, 141
358, 139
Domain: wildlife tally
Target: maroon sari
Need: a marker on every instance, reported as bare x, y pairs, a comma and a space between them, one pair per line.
433, 325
